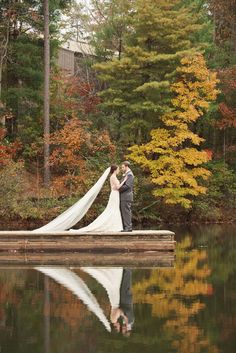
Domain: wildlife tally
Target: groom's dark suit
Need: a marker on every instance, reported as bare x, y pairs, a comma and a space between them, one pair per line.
126, 199
126, 298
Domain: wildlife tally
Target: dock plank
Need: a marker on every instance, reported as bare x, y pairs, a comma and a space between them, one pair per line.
136, 241
103, 245
23, 233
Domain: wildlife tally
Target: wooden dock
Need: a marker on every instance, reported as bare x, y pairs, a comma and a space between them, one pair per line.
137, 248
141, 240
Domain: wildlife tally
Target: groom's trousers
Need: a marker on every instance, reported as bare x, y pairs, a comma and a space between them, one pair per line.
126, 214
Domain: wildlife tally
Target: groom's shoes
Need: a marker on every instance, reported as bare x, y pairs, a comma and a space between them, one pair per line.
127, 230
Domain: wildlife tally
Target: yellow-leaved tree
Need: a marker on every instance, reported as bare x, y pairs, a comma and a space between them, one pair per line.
173, 157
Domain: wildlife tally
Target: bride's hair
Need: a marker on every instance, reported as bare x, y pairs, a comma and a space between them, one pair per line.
113, 168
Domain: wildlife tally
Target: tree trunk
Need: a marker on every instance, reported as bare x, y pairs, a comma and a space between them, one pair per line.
1, 69
233, 38
46, 94
120, 47
46, 314
2, 118
3, 54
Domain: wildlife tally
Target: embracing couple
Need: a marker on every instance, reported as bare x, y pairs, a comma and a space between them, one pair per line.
125, 189
117, 215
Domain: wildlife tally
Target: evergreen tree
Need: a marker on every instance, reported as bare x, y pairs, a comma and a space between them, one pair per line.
137, 87
23, 71
110, 26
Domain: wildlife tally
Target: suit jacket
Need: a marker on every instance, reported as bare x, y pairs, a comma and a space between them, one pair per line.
126, 190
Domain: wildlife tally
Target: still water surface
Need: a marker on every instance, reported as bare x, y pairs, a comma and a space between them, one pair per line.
190, 307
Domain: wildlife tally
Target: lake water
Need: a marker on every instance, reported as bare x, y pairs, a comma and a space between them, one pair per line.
190, 307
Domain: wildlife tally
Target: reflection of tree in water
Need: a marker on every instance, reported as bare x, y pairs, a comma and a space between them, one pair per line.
72, 319
9, 282
22, 306
64, 306
22, 321
175, 297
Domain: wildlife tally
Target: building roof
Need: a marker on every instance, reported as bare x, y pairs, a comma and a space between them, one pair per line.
78, 47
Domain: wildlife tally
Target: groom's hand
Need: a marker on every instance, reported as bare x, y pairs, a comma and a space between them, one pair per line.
127, 184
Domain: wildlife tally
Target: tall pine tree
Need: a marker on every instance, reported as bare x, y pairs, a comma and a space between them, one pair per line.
23, 70
137, 84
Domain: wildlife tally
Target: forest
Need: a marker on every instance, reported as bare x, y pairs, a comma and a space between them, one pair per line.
159, 91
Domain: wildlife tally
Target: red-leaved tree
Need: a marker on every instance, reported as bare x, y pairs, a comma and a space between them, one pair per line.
76, 150
227, 108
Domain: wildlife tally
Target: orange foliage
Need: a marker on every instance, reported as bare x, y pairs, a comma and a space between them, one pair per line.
71, 95
8, 151
228, 116
209, 154
72, 147
227, 108
65, 305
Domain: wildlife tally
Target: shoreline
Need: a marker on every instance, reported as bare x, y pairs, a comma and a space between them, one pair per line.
30, 224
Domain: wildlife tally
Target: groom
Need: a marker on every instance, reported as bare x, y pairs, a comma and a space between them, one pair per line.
122, 318
126, 197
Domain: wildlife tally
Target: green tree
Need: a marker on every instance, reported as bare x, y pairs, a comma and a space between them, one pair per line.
111, 24
23, 70
220, 201
137, 87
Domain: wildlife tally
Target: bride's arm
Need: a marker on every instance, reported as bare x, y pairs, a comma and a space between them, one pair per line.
115, 182
122, 183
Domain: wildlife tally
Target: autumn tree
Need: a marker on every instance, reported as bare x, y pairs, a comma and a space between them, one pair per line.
171, 158
77, 151
8, 150
78, 148
227, 107
71, 98
71, 95
174, 297
13, 200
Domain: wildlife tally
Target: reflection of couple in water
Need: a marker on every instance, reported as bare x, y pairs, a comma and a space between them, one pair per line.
117, 283
122, 317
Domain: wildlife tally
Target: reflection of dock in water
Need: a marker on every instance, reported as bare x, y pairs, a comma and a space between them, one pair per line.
138, 249
142, 260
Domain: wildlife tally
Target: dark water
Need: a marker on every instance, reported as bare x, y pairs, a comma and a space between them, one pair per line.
188, 308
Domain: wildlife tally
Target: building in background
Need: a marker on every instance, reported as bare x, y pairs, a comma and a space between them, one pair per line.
73, 57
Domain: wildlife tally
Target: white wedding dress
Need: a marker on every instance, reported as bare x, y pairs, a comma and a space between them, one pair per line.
110, 278
109, 220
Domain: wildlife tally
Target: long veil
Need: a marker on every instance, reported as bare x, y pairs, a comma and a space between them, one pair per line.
76, 285
75, 213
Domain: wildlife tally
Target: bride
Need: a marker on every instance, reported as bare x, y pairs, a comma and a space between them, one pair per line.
109, 220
